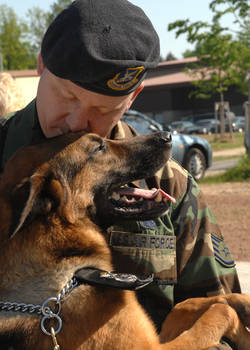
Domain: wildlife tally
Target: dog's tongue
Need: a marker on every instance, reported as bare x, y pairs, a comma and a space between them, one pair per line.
147, 194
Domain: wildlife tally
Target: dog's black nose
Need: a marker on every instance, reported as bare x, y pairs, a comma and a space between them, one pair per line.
165, 136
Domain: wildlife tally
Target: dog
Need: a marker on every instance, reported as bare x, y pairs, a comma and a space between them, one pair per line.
55, 204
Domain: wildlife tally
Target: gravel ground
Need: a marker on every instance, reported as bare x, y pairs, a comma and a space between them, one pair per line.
230, 203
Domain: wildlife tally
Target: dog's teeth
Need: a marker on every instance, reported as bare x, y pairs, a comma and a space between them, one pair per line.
115, 196
141, 199
158, 198
124, 198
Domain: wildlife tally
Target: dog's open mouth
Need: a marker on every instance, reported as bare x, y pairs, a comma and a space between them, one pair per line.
129, 201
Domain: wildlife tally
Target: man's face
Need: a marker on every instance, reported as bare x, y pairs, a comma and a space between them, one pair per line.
64, 106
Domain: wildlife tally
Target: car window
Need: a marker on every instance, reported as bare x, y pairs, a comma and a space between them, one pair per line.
142, 126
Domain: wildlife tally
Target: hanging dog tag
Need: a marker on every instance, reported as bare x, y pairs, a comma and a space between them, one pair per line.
103, 278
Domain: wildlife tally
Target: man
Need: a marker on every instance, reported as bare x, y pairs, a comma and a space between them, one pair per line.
94, 57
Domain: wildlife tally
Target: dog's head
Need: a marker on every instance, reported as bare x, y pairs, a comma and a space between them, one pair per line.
55, 197
83, 175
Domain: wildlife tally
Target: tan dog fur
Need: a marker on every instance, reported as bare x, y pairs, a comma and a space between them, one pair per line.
48, 199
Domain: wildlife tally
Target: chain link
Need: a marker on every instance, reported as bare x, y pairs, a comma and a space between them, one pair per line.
21, 307
72, 284
44, 310
31, 308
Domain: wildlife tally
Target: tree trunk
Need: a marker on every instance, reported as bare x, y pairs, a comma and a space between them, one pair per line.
248, 112
222, 119
247, 121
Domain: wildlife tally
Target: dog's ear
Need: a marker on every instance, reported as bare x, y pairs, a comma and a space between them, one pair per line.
36, 196
23, 200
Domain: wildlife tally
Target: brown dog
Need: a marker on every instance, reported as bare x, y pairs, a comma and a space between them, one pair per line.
54, 204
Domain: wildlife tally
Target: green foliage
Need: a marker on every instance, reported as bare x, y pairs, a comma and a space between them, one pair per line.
17, 52
227, 143
239, 8
223, 59
20, 40
37, 22
240, 173
170, 57
56, 8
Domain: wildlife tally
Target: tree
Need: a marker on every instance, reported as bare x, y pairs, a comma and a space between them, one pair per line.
56, 8
37, 22
239, 8
170, 57
223, 59
241, 12
16, 52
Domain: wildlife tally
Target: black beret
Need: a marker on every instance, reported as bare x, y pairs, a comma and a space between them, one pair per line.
101, 45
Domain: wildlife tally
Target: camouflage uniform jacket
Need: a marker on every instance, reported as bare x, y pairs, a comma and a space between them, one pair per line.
184, 248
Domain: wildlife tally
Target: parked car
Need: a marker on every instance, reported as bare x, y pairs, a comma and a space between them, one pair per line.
204, 126
239, 124
196, 117
180, 126
227, 123
192, 152
208, 126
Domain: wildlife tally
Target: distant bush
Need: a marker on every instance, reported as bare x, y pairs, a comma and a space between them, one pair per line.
240, 173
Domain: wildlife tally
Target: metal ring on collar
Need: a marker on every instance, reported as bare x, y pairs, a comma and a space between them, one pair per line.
57, 330
46, 310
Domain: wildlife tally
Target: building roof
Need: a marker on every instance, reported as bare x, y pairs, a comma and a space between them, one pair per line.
169, 79
166, 73
183, 61
23, 73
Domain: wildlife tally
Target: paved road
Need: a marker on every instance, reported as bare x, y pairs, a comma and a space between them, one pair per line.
230, 152
220, 166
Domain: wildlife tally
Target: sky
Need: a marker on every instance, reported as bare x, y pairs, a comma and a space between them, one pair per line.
160, 12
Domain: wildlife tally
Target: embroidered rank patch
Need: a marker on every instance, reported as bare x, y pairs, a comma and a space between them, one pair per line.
125, 79
221, 252
149, 224
124, 239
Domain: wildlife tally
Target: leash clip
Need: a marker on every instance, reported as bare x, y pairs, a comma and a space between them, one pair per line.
53, 335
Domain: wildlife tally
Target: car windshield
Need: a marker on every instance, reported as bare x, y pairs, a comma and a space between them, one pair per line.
205, 122
144, 127
176, 124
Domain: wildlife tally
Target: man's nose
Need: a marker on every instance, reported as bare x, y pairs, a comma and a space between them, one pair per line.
79, 120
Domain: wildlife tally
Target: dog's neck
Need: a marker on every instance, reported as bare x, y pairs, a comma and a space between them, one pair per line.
33, 277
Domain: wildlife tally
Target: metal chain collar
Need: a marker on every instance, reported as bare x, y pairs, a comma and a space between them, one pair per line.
44, 309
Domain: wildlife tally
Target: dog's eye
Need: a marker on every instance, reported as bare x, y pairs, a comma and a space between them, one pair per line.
100, 148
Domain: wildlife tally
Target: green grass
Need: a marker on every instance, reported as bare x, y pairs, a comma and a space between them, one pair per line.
240, 173
219, 144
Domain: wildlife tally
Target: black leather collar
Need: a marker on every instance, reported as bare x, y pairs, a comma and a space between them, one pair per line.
102, 278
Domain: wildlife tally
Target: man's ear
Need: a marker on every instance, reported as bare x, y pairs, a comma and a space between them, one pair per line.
40, 64
135, 94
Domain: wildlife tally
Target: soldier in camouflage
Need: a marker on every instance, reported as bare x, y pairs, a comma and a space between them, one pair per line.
184, 248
